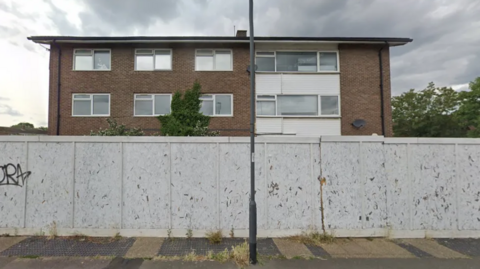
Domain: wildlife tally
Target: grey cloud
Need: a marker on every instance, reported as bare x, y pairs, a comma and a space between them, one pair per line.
437, 40
29, 46
444, 49
8, 110
9, 31
113, 16
13, 9
59, 17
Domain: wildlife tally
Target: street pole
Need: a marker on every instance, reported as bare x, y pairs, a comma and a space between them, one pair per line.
253, 205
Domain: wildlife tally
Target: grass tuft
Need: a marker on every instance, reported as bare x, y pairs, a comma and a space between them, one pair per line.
214, 237
189, 233
313, 238
221, 257
190, 257
240, 255
30, 257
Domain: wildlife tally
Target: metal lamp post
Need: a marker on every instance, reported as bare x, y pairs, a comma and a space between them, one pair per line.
253, 205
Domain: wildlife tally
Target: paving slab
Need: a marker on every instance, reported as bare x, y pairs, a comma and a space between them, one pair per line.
335, 250
58, 263
370, 264
5, 260
7, 242
433, 248
69, 247
381, 248
122, 263
353, 249
291, 249
466, 246
318, 251
145, 247
189, 265
415, 251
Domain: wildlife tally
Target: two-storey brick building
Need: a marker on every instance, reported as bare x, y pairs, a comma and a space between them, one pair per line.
305, 86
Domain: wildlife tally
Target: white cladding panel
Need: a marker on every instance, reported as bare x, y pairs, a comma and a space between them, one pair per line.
269, 125
311, 84
311, 127
268, 84
300, 127
324, 84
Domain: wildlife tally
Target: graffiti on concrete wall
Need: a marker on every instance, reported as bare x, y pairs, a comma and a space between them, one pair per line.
13, 175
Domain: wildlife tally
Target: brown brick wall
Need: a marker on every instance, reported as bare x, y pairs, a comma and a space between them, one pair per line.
122, 82
360, 88
359, 80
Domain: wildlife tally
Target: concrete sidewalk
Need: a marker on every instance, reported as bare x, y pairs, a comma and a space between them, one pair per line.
41, 252
77, 263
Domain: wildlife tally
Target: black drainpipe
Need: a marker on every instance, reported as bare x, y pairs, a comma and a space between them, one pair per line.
58, 84
381, 87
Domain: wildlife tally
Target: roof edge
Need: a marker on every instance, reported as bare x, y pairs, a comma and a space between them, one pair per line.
214, 39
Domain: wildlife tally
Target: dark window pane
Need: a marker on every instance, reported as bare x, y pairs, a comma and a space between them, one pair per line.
297, 61
102, 60
298, 105
265, 63
101, 104
329, 105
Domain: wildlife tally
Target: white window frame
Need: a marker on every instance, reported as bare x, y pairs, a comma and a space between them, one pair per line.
153, 55
91, 104
214, 55
213, 99
93, 59
274, 100
320, 105
299, 72
152, 98
319, 100
328, 71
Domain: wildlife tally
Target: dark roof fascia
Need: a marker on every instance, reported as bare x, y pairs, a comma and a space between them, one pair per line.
226, 39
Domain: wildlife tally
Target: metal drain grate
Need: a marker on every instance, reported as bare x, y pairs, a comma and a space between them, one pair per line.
201, 246
41, 246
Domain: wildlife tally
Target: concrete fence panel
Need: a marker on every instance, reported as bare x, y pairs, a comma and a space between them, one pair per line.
154, 186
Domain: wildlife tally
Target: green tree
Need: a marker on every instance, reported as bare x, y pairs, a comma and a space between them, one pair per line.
24, 125
185, 118
468, 113
114, 129
427, 113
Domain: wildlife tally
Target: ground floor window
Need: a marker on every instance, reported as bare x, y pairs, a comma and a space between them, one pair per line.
217, 104
152, 104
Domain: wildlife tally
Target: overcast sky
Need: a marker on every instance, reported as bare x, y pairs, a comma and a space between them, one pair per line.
445, 49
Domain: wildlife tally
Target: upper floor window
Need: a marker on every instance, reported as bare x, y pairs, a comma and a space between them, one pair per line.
217, 104
297, 105
153, 59
213, 60
152, 104
296, 61
91, 59
91, 105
